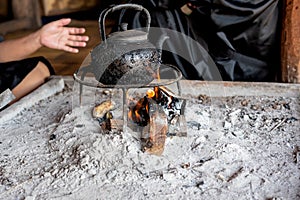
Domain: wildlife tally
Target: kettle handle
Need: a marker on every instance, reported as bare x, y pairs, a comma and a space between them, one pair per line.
105, 12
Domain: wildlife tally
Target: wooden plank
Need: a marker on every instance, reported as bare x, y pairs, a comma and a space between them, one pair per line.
57, 7
4, 8
27, 9
13, 25
21, 8
290, 42
155, 133
26, 16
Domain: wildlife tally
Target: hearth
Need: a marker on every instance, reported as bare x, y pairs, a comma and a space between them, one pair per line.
155, 110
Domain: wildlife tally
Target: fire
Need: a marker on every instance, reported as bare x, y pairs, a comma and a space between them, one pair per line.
159, 95
156, 91
158, 112
140, 112
150, 93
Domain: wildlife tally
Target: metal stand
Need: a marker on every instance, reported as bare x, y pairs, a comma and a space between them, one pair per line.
158, 82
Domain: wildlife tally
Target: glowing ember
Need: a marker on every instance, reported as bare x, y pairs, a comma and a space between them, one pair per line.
150, 93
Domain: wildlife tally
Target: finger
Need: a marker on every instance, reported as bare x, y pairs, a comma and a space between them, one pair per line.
78, 38
76, 30
70, 49
64, 21
75, 43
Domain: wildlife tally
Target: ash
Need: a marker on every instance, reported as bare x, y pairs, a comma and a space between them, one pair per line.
237, 147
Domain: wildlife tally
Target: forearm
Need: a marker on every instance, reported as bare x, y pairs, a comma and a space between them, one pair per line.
20, 48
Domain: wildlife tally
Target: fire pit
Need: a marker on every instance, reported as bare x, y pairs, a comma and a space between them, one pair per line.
156, 116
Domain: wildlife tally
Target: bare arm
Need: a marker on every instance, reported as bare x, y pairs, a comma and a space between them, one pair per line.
53, 35
19, 48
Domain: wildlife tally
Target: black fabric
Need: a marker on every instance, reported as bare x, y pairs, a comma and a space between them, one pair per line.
180, 49
159, 4
12, 73
242, 37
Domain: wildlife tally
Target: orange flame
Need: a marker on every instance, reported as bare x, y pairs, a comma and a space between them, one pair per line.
140, 112
150, 93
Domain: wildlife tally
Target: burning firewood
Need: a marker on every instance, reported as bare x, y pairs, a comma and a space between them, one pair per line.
172, 104
100, 111
159, 112
178, 126
155, 133
140, 112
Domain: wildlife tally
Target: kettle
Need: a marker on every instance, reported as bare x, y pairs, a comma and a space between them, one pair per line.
126, 57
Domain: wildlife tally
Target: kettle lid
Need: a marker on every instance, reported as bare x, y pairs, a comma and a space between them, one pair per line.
129, 36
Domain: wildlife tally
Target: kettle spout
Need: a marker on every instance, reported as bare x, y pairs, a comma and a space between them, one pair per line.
161, 41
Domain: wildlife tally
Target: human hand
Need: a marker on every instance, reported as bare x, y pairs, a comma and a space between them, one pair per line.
56, 36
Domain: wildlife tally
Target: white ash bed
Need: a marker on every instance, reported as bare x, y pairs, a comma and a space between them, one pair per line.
243, 142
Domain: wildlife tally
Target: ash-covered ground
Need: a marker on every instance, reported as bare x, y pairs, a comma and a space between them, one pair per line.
241, 144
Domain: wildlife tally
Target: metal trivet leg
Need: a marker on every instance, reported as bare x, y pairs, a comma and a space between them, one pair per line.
125, 109
81, 87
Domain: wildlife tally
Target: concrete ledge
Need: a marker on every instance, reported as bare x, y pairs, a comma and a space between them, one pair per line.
226, 88
52, 86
